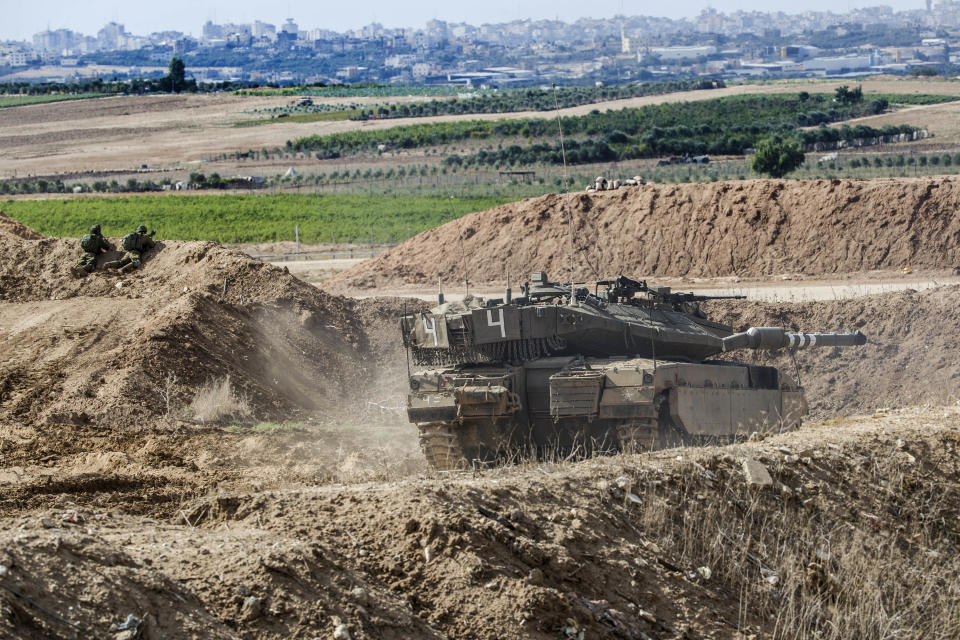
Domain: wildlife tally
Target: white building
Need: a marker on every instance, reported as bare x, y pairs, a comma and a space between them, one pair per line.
400, 60
837, 65
264, 30
14, 59
676, 54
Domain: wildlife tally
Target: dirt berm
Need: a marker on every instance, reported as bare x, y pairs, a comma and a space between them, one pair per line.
912, 355
854, 534
114, 350
746, 228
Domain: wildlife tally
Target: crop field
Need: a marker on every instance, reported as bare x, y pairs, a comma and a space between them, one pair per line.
250, 218
19, 101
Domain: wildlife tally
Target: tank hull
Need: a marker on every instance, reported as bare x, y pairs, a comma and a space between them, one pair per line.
558, 407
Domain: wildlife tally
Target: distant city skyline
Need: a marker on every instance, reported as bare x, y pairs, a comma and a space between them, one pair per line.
22, 20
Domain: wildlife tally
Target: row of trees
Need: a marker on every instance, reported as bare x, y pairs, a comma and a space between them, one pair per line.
722, 125
846, 132
174, 82
776, 157
673, 141
945, 160
513, 100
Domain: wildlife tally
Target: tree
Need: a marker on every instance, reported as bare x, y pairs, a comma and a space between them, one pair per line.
879, 105
777, 156
177, 75
844, 95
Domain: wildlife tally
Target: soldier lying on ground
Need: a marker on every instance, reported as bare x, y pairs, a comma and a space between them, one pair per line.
134, 244
91, 245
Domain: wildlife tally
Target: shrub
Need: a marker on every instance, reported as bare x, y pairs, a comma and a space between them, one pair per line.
215, 400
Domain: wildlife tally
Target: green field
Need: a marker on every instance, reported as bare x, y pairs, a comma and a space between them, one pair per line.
7, 100
250, 218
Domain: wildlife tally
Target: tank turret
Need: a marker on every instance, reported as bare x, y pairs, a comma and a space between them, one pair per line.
565, 368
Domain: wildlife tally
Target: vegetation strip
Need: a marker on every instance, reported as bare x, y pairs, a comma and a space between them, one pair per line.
250, 218
729, 125
16, 100
511, 101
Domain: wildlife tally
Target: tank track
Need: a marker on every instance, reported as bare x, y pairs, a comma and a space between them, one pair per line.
638, 436
441, 447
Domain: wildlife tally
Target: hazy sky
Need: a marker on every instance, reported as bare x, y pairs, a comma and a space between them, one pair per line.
21, 19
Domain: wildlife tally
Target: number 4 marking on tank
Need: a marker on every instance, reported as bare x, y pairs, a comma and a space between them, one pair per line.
431, 329
491, 323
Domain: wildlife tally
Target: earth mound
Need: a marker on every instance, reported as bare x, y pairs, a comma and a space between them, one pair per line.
673, 544
112, 350
746, 228
11, 227
912, 356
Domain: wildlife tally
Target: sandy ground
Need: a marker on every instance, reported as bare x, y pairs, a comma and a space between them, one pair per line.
122, 133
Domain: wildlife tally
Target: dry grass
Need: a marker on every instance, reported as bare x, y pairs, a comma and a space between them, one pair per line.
215, 401
866, 548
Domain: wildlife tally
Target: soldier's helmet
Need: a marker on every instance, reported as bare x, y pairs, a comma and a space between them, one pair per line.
95, 230
141, 229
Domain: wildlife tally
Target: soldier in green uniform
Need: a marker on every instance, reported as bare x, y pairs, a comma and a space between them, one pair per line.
91, 245
134, 245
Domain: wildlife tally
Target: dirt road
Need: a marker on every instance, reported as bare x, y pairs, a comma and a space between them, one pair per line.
782, 291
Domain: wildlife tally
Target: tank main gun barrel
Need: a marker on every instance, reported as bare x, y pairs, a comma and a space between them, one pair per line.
772, 338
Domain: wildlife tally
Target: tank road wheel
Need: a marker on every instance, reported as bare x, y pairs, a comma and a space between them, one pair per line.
637, 436
440, 444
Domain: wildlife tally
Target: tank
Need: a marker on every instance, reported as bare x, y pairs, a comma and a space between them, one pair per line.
562, 371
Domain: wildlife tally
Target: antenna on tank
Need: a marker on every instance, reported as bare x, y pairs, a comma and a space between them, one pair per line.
406, 344
439, 291
463, 256
509, 295
566, 189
